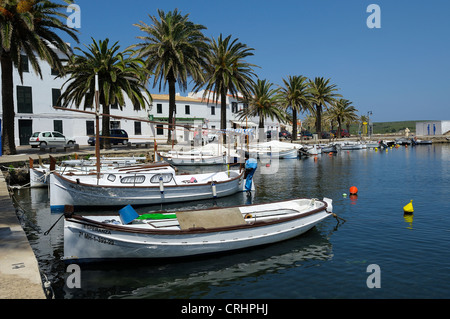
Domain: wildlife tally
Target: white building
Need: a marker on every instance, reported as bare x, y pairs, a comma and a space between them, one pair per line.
34, 99
432, 128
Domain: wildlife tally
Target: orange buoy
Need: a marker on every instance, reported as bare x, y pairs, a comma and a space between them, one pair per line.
353, 190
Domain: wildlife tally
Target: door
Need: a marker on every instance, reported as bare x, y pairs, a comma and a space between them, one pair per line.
58, 138
25, 131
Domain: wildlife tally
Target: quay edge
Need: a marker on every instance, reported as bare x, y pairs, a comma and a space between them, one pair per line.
20, 277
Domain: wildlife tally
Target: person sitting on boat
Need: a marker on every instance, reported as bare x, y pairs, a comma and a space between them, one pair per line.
251, 164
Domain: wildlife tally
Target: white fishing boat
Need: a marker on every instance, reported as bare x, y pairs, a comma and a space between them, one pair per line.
153, 184
351, 146
188, 233
39, 174
210, 154
312, 149
330, 148
274, 149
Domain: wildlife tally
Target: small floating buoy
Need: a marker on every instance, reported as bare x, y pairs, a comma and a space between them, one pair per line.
353, 190
315, 158
376, 149
267, 165
408, 208
344, 195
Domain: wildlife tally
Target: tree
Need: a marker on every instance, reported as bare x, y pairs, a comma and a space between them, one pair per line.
296, 96
264, 103
343, 112
27, 27
227, 72
323, 94
174, 49
118, 73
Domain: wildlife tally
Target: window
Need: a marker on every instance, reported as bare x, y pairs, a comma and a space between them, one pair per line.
187, 109
136, 179
159, 129
58, 126
165, 178
114, 125
54, 72
159, 108
115, 106
213, 110
111, 177
24, 63
56, 93
24, 99
234, 107
137, 128
137, 106
90, 128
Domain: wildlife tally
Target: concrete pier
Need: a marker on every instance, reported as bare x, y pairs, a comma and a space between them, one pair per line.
20, 277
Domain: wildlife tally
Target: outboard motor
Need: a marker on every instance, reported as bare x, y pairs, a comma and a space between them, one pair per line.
250, 167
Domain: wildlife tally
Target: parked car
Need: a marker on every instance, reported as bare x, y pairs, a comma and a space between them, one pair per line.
344, 133
285, 134
49, 138
306, 134
118, 136
326, 135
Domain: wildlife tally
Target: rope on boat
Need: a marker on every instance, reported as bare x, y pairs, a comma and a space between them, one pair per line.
48, 231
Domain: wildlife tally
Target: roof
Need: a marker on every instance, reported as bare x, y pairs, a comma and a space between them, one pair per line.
178, 98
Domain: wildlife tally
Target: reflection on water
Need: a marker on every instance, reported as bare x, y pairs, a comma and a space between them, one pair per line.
326, 262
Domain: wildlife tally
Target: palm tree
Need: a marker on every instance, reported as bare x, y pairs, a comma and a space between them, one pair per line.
296, 96
174, 49
27, 27
323, 95
227, 72
264, 103
118, 73
342, 111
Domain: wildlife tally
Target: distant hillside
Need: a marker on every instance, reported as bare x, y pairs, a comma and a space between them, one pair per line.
388, 127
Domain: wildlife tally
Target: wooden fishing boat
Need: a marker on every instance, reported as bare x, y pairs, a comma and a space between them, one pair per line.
141, 185
188, 233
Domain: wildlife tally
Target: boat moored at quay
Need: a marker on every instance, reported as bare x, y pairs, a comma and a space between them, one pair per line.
143, 185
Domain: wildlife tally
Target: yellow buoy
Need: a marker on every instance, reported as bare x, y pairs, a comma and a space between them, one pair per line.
408, 208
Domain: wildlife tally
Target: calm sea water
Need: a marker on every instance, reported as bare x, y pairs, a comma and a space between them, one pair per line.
330, 261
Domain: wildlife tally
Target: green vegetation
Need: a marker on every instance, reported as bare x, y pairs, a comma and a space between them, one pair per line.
388, 127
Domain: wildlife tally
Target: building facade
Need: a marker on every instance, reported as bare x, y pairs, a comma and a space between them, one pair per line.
432, 128
34, 99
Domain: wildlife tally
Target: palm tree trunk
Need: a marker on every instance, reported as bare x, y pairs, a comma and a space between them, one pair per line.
172, 105
223, 113
319, 120
294, 124
8, 144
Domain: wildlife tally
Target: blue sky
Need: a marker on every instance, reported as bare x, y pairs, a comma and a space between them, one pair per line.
400, 71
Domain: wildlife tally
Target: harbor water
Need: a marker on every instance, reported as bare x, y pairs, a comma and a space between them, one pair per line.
333, 260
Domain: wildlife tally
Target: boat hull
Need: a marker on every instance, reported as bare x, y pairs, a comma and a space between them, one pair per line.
39, 178
90, 242
65, 191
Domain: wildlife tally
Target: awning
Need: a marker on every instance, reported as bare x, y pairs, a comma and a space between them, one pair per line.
245, 123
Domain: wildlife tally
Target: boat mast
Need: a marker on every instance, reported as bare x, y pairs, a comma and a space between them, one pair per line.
97, 123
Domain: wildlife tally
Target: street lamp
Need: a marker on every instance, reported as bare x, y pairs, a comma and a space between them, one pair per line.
369, 126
